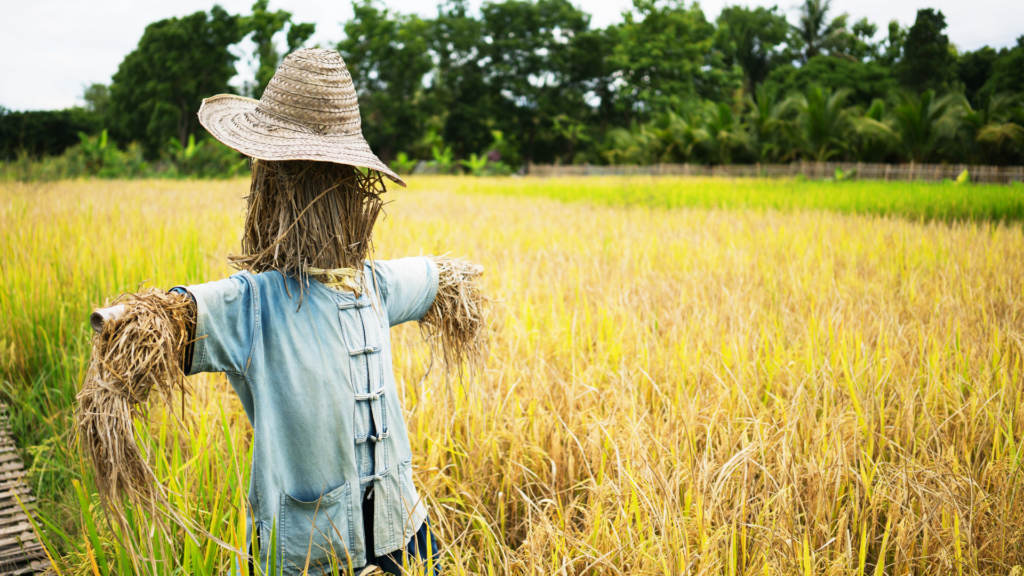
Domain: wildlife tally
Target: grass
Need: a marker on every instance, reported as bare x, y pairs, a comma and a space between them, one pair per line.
690, 391
914, 200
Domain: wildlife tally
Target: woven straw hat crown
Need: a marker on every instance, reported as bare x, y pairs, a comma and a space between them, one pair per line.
309, 111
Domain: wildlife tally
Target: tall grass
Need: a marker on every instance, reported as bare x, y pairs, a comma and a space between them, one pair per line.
692, 391
916, 200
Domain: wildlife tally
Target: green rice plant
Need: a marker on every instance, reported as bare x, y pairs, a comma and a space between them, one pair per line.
914, 200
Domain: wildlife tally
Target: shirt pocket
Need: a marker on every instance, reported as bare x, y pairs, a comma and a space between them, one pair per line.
320, 529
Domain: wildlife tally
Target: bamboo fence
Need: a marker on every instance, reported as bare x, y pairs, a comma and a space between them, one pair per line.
809, 170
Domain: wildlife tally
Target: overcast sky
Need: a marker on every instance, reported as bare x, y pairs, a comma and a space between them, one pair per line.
51, 49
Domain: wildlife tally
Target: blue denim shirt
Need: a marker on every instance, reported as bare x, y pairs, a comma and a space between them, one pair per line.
317, 384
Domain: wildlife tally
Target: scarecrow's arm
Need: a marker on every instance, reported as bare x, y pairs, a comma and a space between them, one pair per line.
115, 313
137, 352
455, 325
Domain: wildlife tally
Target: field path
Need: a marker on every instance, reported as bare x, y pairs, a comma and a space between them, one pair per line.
20, 550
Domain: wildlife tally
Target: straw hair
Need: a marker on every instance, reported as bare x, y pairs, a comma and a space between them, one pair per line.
309, 111
303, 215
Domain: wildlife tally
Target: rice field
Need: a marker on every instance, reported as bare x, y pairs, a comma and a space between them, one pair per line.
686, 376
914, 200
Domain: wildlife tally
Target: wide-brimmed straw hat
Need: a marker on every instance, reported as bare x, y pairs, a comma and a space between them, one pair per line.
309, 111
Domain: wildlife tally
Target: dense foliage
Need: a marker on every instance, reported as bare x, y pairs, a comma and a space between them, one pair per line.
160, 85
524, 81
43, 132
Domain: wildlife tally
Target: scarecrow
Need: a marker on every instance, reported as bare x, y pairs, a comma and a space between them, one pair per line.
302, 333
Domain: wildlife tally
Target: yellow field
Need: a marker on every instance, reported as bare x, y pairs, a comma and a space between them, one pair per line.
668, 392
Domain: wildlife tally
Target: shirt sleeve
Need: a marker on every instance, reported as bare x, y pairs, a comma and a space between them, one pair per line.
408, 287
226, 324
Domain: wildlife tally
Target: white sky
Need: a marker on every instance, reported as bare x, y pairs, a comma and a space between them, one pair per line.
51, 49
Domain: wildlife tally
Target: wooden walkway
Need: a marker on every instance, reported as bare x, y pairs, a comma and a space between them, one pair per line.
20, 550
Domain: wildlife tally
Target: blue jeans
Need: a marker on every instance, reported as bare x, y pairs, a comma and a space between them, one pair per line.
422, 546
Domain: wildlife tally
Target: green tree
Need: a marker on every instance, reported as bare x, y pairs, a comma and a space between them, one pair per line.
96, 152
766, 117
860, 44
680, 133
923, 124
573, 131
866, 81
928, 62
44, 132
532, 70
724, 135
891, 51
1007, 71
97, 99
974, 69
750, 39
1005, 140
665, 55
989, 133
528, 54
160, 85
264, 25
465, 99
874, 140
387, 55
823, 122
815, 34
639, 144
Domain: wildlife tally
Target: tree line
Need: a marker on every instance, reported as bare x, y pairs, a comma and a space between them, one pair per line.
523, 81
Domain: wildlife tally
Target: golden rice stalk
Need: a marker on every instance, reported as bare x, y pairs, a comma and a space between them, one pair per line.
135, 356
455, 326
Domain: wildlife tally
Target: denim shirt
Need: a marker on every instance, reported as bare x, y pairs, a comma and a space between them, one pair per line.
317, 384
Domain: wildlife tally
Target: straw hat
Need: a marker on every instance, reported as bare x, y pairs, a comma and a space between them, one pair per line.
309, 111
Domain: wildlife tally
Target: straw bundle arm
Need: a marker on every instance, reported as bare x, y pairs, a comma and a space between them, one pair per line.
455, 325
137, 351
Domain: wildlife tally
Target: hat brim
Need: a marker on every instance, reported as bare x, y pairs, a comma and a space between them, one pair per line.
229, 119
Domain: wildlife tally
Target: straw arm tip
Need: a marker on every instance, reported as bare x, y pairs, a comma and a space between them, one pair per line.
455, 325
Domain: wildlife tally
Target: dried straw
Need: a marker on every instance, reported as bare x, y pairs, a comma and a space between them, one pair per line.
455, 326
135, 356
304, 214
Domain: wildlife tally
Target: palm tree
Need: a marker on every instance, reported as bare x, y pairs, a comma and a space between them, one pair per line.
816, 34
680, 132
922, 124
767, 123
987, 130
998, 134
637, 145
875, 138
723, 134
573, 131
822, 122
